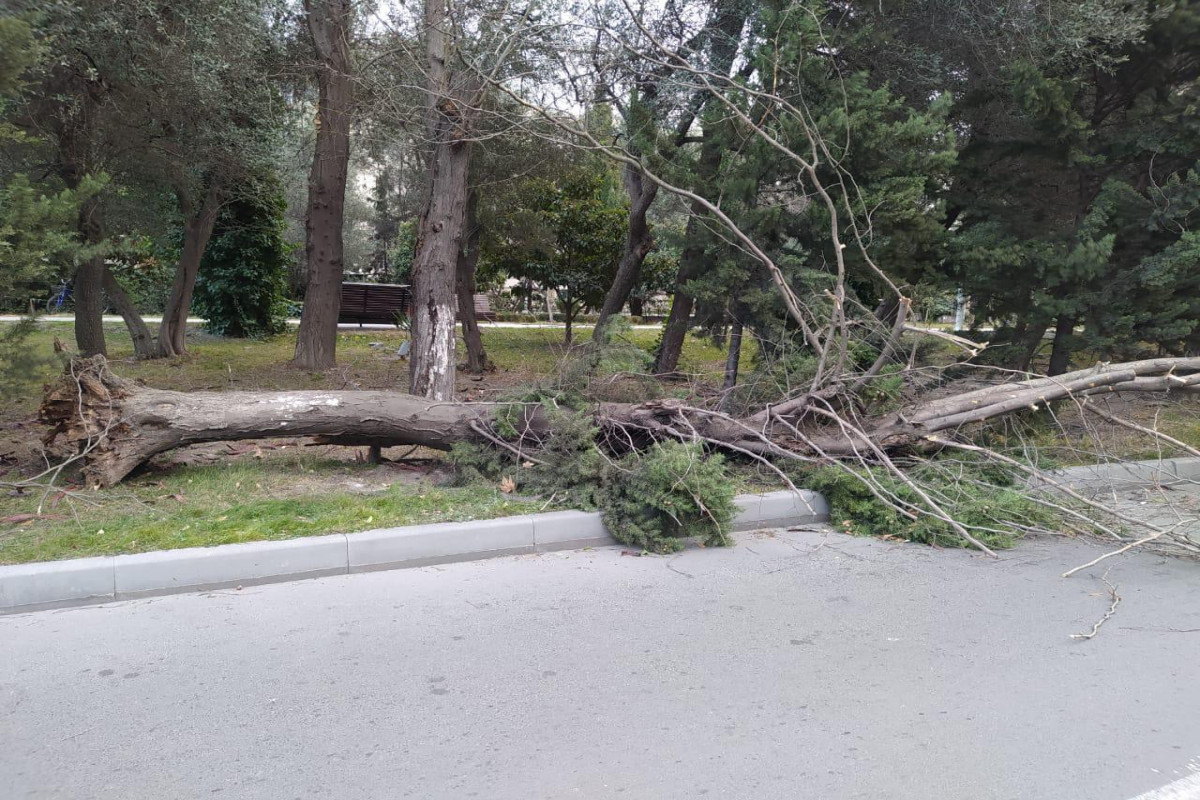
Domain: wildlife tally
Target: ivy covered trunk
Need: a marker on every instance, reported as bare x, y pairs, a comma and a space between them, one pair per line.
316, 341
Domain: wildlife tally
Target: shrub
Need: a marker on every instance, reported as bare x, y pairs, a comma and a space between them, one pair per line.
241, 287
650, 499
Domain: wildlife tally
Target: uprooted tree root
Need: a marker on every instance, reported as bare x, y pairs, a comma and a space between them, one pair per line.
113, 425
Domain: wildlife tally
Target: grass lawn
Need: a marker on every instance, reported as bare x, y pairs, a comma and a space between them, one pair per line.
238, 492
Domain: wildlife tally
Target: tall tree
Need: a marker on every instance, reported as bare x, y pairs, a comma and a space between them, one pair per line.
1069, 202
452, 96
660, 97
329, 24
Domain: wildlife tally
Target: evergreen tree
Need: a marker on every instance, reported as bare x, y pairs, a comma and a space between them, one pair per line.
899, 153
241, 288
1076, 191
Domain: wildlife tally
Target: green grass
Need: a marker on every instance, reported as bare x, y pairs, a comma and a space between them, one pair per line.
281, 497
219, 364
287, 493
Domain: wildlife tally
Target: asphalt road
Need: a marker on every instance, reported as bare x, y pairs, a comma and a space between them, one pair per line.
799, 665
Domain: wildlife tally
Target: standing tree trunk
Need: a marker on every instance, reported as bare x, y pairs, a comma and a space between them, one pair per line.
735, 354
725, 32
197, 230
638, 244
694, 258
568, 318
143, 342
1060, 352
1028, 340
93, 281
316, 341
89, 285
468, 260
691, 262
440, 235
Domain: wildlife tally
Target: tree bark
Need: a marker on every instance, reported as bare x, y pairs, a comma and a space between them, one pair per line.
117, 425
143, 341
638, 244
468, 260
679, 320
89, 285
733, 359
440, 236
316, 340
197, 230
1029, 340
130, 423
1060, 351
93, 282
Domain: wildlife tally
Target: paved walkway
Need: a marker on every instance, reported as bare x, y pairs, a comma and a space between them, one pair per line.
155, 320
795, 665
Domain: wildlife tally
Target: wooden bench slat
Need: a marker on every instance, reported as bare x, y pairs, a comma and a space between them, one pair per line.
381, 302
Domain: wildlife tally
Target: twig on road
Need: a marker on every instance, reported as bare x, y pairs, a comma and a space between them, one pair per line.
1112, 609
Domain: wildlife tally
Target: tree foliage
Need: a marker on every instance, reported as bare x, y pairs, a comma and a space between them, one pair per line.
566, 235
241, 288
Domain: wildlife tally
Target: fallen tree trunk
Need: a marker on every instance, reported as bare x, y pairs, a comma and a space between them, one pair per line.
115, 425
121, 424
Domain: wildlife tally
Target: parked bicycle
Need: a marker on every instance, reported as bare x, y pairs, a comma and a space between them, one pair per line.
62, 295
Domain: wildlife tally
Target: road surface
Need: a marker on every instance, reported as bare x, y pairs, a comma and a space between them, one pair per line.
795, 665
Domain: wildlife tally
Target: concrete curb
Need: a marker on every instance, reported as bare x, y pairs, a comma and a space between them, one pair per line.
52, 584
1129, 474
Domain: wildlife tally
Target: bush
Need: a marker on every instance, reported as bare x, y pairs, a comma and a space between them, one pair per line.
241, 287
673, 490
144, 272
650, 499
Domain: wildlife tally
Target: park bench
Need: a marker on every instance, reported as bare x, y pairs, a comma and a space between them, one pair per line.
387, 303
378, 303
483, 309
